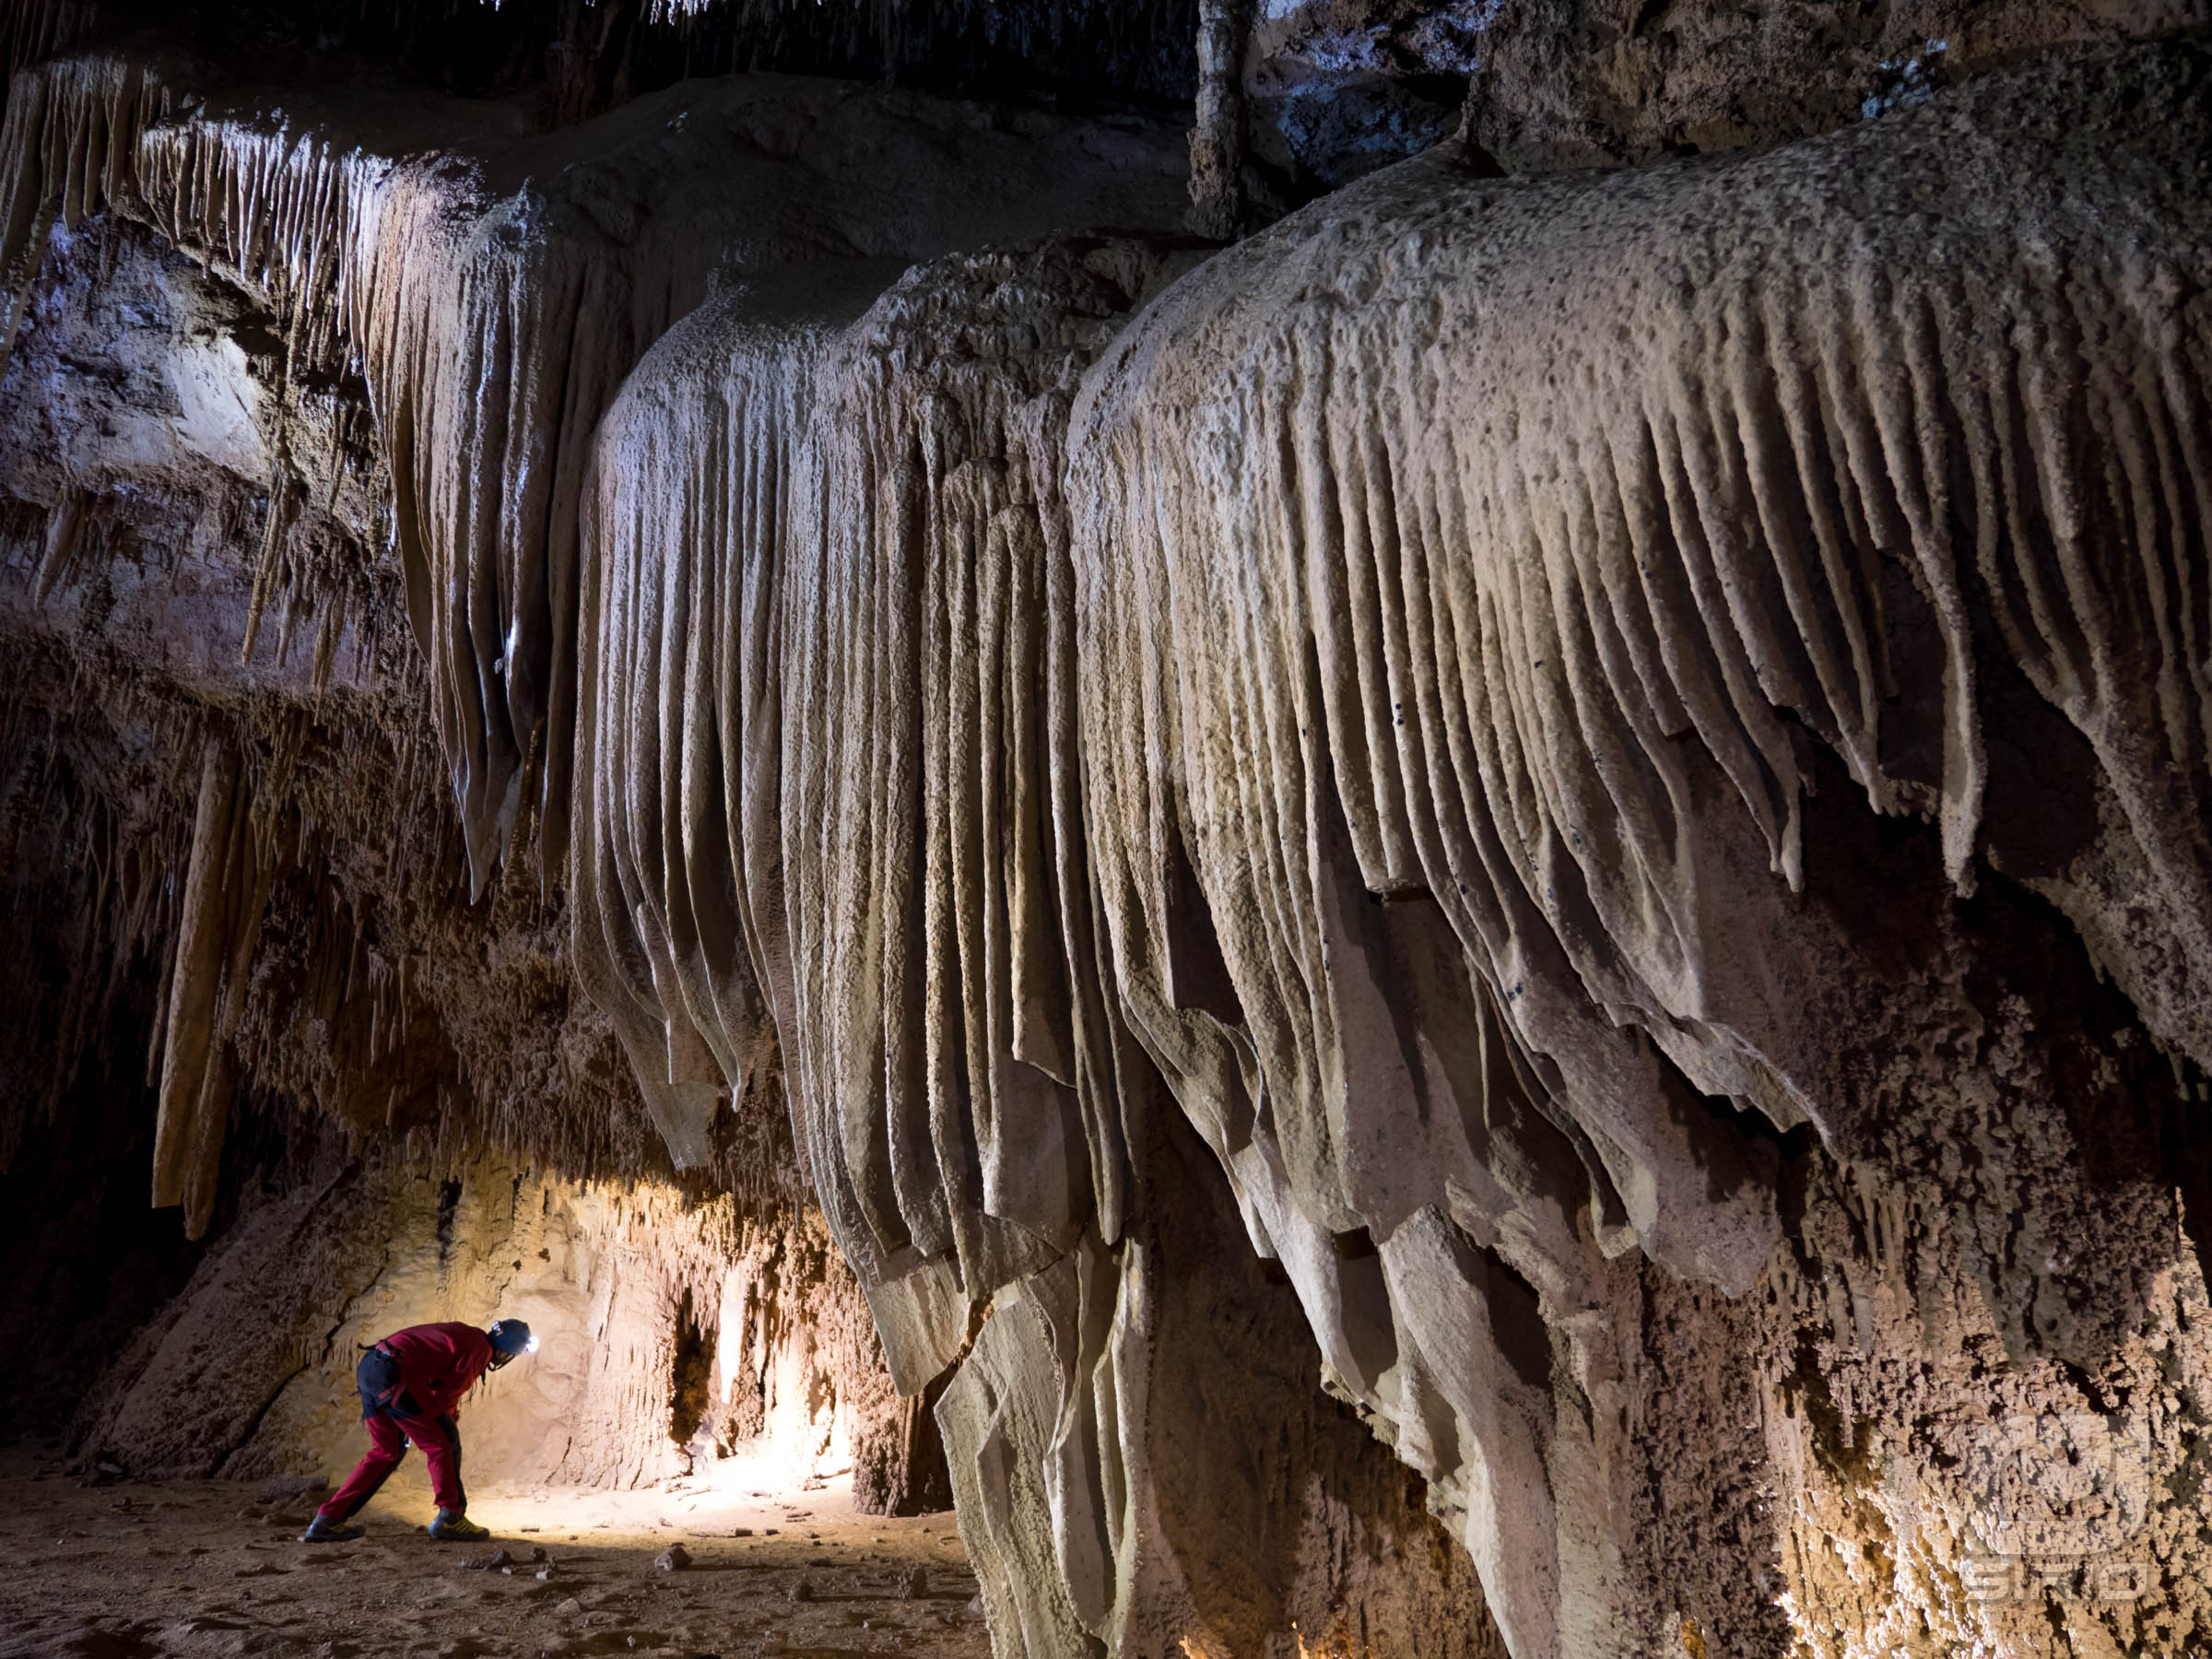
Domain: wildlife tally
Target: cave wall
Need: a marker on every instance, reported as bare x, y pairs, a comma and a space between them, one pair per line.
1531, 846
89, 1261
672, 1335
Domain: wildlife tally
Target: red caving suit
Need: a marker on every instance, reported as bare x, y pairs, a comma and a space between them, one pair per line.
410, 1384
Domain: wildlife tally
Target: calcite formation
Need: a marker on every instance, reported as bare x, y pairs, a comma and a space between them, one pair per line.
1536, 841
1478, 579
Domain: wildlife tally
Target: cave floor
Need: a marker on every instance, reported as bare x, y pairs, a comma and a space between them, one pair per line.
136, 1569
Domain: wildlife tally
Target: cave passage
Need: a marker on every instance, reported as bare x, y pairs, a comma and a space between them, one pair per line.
1347, 830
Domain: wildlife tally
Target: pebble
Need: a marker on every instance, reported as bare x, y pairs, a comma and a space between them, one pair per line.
674, 1558
916, 1587
802, 1591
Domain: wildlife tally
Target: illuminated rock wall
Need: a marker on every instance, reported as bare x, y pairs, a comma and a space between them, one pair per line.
671, 1335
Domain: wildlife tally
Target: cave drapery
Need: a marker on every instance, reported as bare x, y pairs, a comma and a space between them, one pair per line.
1546, 822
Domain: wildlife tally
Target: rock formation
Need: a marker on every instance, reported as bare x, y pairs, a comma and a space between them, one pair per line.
1481, 922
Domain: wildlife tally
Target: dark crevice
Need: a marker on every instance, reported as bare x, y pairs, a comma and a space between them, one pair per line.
449, 1204
691, 1373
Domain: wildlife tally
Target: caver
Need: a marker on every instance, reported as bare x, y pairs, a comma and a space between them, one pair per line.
411, 1385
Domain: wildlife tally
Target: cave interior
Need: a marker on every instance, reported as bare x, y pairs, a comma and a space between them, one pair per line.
1326, 830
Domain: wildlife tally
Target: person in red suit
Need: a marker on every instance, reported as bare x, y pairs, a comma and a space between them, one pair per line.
411, 1385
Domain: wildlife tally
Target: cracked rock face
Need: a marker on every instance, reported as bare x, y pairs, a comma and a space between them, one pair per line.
1481, 923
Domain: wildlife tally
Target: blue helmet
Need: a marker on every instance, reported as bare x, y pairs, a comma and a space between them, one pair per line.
510, 1337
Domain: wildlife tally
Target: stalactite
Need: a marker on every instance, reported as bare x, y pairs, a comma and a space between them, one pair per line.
1400, 575
226, 889
494, 317
1219, 140
33, 31
1449, 672
812, 517
62, 532
827, 757
88, 876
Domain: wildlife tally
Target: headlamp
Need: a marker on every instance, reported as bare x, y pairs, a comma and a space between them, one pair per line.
509, 1338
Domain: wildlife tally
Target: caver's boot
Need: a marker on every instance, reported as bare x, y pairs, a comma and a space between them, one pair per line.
452, 1527
323, 1531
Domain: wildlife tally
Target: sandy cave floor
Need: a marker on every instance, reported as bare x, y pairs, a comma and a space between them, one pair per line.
131, 1569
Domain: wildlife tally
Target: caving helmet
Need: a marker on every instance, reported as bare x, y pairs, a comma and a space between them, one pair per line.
510, 1337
